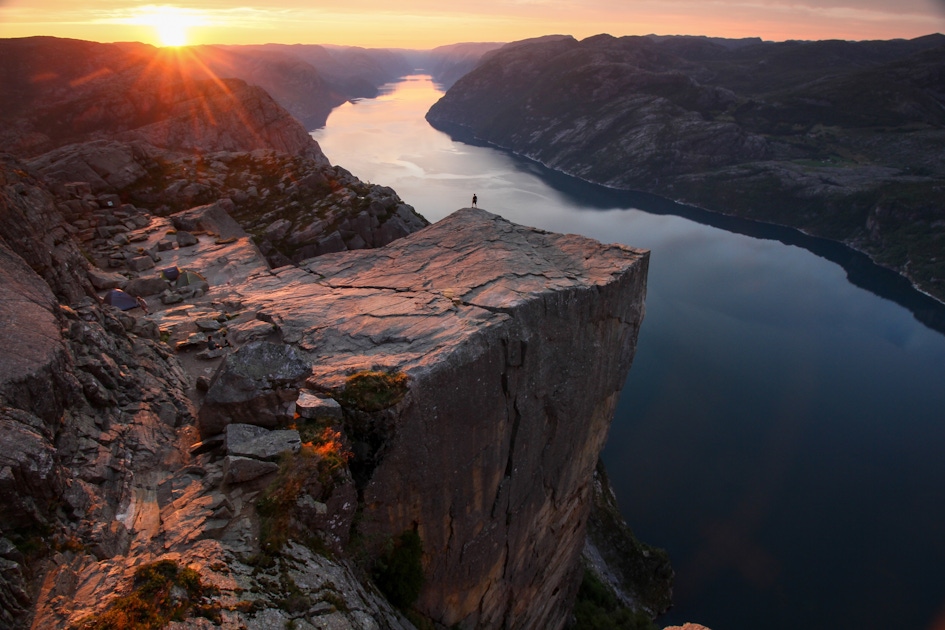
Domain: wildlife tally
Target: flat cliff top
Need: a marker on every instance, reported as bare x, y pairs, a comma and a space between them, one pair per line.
411, 302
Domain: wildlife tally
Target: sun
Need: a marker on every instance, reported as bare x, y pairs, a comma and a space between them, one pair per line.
170, 23
171, 34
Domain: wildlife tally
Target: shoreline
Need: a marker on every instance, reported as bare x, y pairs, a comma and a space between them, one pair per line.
931, 313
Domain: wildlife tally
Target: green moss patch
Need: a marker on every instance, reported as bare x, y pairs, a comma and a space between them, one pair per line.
373, 390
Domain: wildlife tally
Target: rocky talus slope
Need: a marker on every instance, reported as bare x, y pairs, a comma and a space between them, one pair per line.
839, 139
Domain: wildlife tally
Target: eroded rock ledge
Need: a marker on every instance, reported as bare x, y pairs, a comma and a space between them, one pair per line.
516, 343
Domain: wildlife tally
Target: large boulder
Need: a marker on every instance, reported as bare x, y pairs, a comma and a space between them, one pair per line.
248, 440
214, 217
253, 385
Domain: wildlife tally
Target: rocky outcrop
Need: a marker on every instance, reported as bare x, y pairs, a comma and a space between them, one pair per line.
839, 139
295, 207
640, 576
515, 343
33, 227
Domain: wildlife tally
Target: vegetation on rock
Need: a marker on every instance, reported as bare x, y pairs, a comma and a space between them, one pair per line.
398, 573
321, 456
162, 592
373, 390
597, 608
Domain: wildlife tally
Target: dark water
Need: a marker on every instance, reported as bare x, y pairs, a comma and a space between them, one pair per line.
782, 431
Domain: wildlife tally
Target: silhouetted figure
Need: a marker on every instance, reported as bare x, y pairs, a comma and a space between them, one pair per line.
475, 199
211, 343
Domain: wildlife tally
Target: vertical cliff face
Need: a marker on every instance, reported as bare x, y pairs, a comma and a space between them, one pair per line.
516, 343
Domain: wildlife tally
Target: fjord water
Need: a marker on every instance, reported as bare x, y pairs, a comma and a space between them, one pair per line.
782, 431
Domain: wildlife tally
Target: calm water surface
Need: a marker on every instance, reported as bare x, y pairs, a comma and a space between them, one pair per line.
782, 431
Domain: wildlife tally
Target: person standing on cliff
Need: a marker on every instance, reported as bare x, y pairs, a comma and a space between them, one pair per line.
475, 199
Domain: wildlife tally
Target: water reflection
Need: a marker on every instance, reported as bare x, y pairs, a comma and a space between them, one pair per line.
861, 270
781, 429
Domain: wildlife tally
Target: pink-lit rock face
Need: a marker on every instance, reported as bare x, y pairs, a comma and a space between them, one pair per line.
516, 343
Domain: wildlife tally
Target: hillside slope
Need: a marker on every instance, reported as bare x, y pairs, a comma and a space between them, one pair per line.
839, 139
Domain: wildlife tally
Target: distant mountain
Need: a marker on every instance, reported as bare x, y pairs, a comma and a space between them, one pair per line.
292, 81
446, 64
350, 72
61, 91
841, 139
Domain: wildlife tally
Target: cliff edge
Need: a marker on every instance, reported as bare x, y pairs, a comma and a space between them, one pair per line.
515, 343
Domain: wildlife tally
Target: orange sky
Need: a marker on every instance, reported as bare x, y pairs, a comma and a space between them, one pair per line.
425, 23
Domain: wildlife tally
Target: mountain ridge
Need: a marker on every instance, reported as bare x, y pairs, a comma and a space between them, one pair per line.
761, 130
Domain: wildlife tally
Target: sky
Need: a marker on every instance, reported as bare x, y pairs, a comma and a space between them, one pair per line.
423, 24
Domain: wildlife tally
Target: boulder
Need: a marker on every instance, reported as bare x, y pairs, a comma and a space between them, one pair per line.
214, 218
164, 245
311, 406
141, 263
104, 280
240, 469
253, 386
247, 440
146, 286
186, 239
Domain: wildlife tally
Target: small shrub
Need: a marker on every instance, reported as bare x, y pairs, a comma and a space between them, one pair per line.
373, 390
336, 601
332, 452
277, 503
399, 573
319, 459
154, 600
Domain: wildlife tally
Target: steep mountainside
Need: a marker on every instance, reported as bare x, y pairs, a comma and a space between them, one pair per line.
349, 72
840, 139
